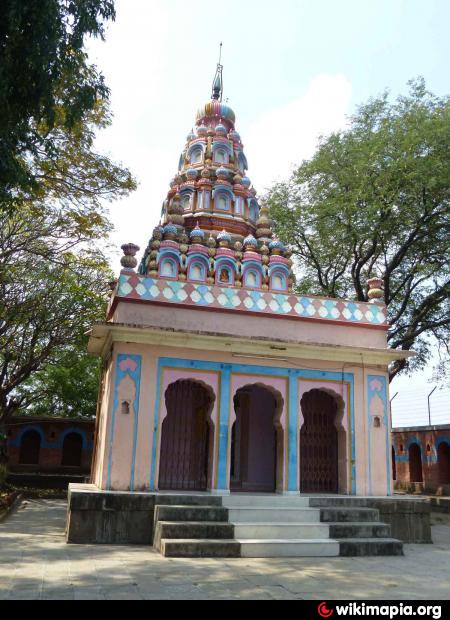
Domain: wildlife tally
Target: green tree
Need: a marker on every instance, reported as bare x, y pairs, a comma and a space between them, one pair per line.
66, 387
43, 70
54, 272
374, 200
52, 288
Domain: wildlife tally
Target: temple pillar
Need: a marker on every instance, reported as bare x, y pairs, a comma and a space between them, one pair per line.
222, 483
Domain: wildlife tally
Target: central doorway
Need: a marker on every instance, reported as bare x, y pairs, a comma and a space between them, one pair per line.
256, 441
186, 438
319, 469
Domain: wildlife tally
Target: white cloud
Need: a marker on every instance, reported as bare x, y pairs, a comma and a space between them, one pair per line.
281, 138
274, 143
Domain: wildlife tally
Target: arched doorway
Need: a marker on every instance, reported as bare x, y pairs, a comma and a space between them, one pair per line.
257, 441
415, 463
394, 465
30, 448
72, 450
187, 438
444, 462
319, 443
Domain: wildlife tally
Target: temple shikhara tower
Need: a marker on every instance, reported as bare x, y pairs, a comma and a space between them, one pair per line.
223, 388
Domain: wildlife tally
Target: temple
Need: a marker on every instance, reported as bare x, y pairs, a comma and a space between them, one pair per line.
219, 378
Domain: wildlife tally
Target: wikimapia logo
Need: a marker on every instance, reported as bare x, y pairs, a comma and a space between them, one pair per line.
390, 611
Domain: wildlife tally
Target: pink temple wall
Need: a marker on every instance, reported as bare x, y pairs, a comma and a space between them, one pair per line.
98, 474
216, 322
122, 440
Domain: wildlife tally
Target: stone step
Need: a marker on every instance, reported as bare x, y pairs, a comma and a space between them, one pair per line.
349, 515
359, 530
200, 548
353, 547
274, 531
251, 514
192, 530
191, 513
338, 502
289, 548
185, 499
267, 501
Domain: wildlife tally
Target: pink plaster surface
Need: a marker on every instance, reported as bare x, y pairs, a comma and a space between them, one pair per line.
240, 324
378, 446
144, 445
99, 471
123, 435
128, 364
150, 355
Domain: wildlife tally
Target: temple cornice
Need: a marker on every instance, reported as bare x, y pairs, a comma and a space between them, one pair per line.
103, 335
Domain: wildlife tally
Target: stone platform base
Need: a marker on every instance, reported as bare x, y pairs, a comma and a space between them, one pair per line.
440, 504
246, 525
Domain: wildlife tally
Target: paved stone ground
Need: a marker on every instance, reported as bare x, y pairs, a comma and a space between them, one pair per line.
35, 563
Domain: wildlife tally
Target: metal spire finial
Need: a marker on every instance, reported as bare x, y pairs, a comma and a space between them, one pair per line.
217, 89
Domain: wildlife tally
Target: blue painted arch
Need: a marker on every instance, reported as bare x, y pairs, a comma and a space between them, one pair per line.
75, 431
17, 441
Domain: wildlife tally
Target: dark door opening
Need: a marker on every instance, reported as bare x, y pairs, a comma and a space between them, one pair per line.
444, 463
319, 444
415, 463
186, 438
394, 465
254, 441
72, 450
30, 448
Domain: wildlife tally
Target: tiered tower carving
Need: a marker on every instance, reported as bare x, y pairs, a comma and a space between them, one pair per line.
213, 229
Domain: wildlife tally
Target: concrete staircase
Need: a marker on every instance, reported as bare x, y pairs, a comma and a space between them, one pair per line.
259, 526
189, 526
356, 527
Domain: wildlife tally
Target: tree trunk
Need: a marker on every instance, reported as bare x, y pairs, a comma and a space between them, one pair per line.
3, 436
3, 440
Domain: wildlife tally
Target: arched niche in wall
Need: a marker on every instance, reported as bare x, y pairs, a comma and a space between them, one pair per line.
415, 463
278, 281
252, 279
168, 268
443, 457
196, 155
197, 272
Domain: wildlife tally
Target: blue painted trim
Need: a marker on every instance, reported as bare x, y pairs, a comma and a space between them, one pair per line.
136, 418
383, 394
219, 145
415, 440
119, 376
18, 439
155, 427
226, 370
293, 438
442, 440
68, 431
224, 426
195, 146
57, 444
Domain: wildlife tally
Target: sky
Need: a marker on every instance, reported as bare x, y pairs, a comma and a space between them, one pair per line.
293, 70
